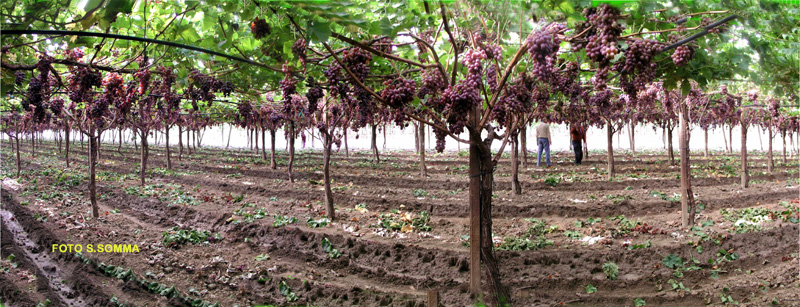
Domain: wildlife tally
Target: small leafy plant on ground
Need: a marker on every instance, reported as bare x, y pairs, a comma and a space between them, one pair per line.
552, 181
679, 265
287, 292
674, 198
247, 216
611, 269
404, 221
324, 221
646, 244
176, 236
619, 198
327, 247
532, 239
283, 220
573, 235
625, 225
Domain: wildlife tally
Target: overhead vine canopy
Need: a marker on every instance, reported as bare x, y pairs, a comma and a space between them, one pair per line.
225, 27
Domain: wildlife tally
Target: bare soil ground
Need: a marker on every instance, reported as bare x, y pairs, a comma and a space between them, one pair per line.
387, 253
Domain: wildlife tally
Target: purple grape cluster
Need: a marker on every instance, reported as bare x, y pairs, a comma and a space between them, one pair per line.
432, 83
473, 58
601, 44
543, 47
143, 76
459, 99
385, 45
56, 106
35, 95
167, 77
299, 48
639, 55
774, 107
19, 77
288, 86
260, 28
491, 77
74, 54
398, 92
441, 137
682, 55
637, 70
245, 115
202, 86
81, 81
291, 106
752, 95
493, 52
600, 78
313, 95
226, 88
98, 108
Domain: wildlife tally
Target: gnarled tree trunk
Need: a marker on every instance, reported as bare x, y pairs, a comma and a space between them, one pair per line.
745, 175
515, 165
523, 142
771, 162
687, 196
180, 143
481, 169
669, 146
33, 144
166, 143
272, 163
346, 148
119, 146
264, 143
230, 129
92, 177
730, 137
19, 159
374, 144
705, 133
144, 154
610, 131
326, 174
416, 138
783, 137
632, 132
291, 151
66, 146
423, 170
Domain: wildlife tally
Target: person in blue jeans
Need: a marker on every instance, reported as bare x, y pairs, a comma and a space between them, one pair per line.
543, 138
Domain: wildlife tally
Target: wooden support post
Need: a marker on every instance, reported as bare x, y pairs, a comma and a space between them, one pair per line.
433, 298
474, 221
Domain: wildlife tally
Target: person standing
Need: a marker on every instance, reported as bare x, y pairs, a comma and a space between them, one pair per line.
543, 139
578, 136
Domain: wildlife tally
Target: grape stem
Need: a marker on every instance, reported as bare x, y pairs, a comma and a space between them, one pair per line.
452, 41
435, 58
377, 52
502, 84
